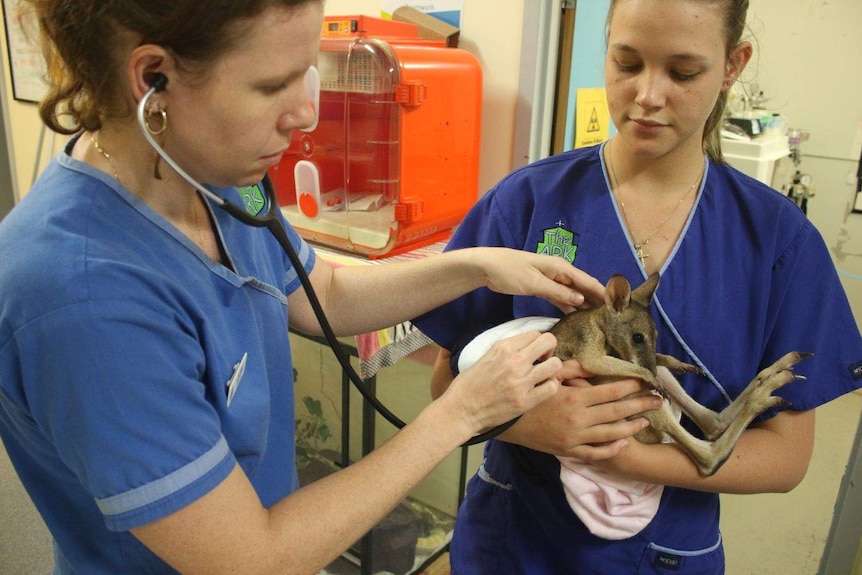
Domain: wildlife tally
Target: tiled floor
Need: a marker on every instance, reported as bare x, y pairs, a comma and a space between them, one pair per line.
764, 534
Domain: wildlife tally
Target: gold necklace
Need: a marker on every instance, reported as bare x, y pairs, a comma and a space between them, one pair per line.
640, 245
198, 226
95, 139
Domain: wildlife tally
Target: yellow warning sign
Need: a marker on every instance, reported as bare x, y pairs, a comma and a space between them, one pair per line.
592, 123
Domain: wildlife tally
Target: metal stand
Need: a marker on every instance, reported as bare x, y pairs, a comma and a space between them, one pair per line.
365, 546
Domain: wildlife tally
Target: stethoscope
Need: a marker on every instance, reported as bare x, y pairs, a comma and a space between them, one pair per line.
270, 219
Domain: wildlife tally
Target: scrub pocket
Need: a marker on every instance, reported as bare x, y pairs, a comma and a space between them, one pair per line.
483, 532
661, 560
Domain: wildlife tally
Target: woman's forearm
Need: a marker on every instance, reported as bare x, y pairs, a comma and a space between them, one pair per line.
390, 293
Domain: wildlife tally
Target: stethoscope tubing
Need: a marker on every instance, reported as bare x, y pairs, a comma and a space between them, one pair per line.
270, 219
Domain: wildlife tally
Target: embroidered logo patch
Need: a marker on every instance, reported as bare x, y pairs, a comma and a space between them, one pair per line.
253, 198
667, 561
559, 242
856, 370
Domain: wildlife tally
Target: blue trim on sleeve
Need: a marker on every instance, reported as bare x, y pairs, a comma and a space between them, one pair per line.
170, 493
307, 257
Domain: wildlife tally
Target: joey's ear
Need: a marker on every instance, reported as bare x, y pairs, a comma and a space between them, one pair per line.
617, 293
644, 292
144, 63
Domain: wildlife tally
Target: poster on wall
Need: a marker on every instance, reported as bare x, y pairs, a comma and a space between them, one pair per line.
25, 57
447, 10
593, 121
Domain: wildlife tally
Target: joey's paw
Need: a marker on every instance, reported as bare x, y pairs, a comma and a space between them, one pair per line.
677, 366
776, 380
761, 401
784, 364
788, 360
775, 401
689, 368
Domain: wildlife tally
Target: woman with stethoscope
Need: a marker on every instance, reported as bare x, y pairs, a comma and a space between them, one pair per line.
146, 394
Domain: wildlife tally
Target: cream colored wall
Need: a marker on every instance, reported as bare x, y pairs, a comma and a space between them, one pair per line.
806, 63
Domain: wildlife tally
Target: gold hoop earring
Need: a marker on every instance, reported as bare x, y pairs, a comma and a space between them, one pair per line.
162, 115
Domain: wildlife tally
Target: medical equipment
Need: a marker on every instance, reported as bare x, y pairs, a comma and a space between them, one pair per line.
393, 162
800, 187
268, 217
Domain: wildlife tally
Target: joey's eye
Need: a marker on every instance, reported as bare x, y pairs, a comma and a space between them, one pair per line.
638, 338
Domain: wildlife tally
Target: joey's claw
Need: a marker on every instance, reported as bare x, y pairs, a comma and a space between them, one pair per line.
695, 369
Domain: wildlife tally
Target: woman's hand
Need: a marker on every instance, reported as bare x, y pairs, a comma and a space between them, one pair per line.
516, 272
514, 376
584, 421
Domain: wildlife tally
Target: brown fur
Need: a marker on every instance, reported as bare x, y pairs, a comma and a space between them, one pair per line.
617, 340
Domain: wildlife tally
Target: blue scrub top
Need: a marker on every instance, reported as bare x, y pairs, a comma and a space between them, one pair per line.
118, 337
749, 280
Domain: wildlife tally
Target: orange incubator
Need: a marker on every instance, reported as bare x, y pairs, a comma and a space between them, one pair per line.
392, 162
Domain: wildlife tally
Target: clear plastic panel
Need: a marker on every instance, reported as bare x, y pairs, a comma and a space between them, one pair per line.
355, 150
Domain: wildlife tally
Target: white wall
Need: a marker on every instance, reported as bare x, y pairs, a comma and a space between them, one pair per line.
807, 62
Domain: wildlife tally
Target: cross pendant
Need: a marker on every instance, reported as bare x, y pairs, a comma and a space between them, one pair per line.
639, 249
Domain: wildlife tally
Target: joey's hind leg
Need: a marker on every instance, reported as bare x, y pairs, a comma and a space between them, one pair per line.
706, 419
756, 397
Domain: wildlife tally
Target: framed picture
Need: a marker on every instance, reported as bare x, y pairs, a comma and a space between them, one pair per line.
25, 57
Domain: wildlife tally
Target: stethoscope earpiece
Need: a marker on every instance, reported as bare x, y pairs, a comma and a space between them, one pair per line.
160, 82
